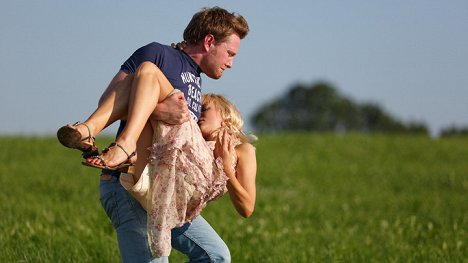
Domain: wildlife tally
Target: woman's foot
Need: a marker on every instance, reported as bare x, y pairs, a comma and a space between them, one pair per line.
78, 136
114, 157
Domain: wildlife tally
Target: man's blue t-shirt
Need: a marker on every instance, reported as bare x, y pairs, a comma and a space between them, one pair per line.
178, 67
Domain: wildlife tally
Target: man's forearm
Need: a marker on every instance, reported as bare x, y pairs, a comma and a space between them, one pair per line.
172, 110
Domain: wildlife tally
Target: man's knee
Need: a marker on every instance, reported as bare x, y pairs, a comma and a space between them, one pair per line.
202, 250
222, 255
215, 255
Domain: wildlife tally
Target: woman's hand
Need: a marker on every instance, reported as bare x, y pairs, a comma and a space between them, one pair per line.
180, 45
225, 150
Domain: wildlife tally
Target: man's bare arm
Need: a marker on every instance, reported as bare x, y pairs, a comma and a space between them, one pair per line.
173, 110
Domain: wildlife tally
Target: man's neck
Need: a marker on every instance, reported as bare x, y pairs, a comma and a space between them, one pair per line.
196, 52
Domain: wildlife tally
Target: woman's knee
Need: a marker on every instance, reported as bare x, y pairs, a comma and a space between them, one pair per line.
147, 68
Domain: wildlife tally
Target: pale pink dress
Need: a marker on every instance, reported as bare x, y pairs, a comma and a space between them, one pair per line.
184, 176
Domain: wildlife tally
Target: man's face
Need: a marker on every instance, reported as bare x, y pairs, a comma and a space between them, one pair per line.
220, 56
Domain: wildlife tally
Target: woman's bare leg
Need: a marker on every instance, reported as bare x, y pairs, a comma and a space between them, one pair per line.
143, 151
112, 108
149, 87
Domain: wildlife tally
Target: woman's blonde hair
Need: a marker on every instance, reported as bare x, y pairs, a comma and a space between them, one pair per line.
231, 116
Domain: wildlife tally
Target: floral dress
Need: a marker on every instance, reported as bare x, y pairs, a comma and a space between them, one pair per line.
183, 176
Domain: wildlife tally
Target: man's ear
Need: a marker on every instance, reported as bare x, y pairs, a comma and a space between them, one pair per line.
208, 41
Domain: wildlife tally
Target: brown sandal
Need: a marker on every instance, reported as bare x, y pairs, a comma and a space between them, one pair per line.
70, 137
120, 167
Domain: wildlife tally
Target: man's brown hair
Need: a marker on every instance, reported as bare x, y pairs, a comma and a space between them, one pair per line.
216, 21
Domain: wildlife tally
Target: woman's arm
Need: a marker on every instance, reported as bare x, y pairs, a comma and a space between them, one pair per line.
241, 185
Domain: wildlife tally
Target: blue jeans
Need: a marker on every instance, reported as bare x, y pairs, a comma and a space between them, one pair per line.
198, 240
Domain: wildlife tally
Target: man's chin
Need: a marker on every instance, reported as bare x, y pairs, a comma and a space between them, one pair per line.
214, 76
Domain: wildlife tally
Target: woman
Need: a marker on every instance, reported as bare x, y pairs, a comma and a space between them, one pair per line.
179, 191
184, 174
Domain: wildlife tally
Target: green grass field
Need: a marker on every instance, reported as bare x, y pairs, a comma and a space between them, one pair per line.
321, 198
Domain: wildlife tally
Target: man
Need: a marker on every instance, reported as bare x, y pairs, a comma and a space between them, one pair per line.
213, 38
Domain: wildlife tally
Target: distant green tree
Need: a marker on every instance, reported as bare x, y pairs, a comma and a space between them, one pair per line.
377, 120
320, 107
454, 131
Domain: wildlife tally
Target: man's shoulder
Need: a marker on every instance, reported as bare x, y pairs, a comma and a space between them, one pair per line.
163, 49
155, 46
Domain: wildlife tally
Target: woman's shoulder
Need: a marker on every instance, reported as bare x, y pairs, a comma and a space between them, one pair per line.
245, 148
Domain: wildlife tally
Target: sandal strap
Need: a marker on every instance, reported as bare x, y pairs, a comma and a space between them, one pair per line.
129, 156
102, 160
89, 138
123, 165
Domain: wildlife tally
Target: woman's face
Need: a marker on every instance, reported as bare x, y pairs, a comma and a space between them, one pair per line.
210, 119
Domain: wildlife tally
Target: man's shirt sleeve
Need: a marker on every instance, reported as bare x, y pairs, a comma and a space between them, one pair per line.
151, 52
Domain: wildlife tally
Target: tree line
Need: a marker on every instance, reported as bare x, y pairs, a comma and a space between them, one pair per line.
320, 107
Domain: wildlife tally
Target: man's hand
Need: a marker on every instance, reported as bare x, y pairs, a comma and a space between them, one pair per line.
173, 110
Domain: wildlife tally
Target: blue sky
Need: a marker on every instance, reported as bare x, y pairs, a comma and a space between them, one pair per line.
411, 57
